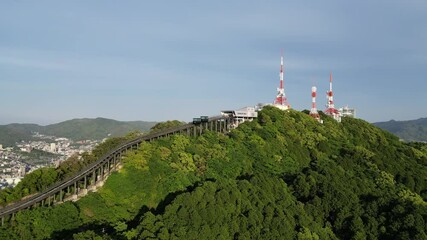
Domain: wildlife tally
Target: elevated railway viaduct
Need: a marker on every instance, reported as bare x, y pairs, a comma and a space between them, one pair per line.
93, 175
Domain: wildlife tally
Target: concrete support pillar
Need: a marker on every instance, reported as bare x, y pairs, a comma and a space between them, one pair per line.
60, 195
85, 184
228, 125
75, 187
102, 172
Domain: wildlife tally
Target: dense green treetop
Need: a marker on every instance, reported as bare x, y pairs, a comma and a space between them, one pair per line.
282, 176
165, 125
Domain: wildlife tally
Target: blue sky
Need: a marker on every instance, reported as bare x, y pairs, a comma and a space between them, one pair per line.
163, 60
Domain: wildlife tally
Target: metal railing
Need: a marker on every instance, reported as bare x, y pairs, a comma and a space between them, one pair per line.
221, 125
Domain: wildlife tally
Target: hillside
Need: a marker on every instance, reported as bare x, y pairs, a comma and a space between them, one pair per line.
284, 176
98, 128
12, 133
76, 129
412, 130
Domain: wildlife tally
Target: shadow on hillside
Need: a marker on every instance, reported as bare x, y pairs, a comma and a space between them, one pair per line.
99, 229
160, 209
108, 230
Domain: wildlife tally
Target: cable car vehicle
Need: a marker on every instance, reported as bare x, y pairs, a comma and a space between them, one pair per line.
197, 120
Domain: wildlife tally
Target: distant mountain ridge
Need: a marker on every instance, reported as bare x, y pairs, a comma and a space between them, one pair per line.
412, 130
75, 129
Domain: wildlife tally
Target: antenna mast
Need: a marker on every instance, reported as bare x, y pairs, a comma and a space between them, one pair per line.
313, 111
281, 101
330, 106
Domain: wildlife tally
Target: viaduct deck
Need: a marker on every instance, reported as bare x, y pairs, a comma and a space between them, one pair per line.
93, 175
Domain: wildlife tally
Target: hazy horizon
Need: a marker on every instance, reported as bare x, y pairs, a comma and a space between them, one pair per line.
142, 120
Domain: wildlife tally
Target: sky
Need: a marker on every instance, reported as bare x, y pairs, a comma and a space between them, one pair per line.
165, 60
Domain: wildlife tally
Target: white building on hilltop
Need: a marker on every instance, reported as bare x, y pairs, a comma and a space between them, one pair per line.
241, 115
347, 112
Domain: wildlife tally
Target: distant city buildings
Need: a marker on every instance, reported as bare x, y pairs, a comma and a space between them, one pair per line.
52, 147
16, 162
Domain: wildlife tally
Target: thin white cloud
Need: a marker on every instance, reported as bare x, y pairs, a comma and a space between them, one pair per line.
8, 58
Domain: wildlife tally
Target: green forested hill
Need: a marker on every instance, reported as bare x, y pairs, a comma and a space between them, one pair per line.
283, 176
413, 130
12, 133
98, 128
76, 129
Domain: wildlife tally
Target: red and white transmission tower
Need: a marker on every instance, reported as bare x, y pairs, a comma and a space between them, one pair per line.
281, 101
313, 111
330, 107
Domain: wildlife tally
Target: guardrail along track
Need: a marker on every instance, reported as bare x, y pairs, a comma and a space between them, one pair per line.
93, 175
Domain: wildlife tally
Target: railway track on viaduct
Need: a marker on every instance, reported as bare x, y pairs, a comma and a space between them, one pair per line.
94, 175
